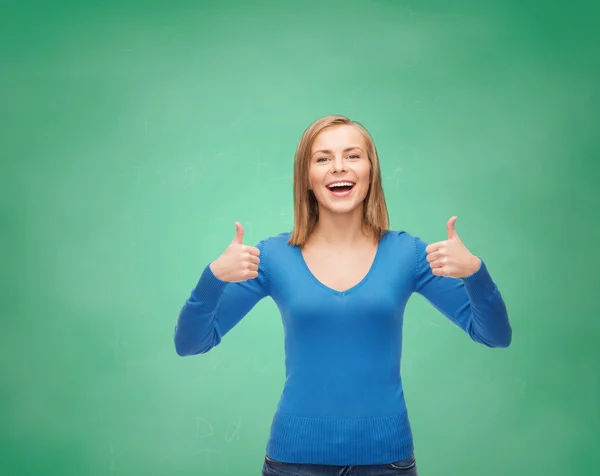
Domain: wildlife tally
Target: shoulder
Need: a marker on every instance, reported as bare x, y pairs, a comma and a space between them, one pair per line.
280, 239
404, 240
276, 253
275, 243
400, 236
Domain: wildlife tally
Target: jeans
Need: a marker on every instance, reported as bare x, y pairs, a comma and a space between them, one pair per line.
406, 467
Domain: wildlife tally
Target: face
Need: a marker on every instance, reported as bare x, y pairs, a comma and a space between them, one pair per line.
340, 170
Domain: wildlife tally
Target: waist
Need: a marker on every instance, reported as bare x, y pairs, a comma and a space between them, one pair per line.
377, 439
342, 395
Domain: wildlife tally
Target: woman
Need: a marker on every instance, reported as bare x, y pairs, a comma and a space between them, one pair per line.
341, 280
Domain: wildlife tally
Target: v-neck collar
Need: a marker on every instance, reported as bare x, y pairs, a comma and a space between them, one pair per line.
365, 278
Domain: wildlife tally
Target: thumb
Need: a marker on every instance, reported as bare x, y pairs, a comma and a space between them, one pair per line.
239, 234
452, 234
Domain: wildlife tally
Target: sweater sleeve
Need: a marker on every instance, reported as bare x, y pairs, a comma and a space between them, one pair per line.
214, 307
473, 303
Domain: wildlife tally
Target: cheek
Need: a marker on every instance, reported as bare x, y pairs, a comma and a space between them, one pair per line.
314, 177
311, 177
311, 182
365, 175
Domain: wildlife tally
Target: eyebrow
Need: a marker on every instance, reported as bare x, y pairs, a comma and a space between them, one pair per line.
347, 149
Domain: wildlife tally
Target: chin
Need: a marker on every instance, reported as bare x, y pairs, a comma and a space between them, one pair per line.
341, 205
342, 209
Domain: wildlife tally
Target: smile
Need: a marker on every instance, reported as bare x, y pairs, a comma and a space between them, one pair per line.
341, 188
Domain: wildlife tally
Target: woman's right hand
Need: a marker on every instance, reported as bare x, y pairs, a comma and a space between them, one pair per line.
238, 262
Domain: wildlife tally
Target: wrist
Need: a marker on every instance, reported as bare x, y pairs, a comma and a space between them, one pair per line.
475, 266
216, 271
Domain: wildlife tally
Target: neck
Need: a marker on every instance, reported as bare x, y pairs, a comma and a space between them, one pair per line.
341, 230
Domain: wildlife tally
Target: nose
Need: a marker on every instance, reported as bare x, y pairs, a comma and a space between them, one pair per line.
338, 165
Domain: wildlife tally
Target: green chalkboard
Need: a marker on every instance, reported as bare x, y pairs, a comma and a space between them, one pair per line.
134, 135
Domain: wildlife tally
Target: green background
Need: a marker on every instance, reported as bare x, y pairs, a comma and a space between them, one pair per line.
134, 135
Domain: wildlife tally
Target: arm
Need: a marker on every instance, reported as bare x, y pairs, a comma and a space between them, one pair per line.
473, 303
214, 308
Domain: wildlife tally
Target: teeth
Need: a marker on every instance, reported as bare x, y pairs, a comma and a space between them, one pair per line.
341, 184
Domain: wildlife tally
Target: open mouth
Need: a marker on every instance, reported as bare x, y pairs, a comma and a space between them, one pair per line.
341, 188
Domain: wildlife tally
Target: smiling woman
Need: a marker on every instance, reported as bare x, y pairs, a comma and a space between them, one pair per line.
339, 171
341, 280
334, 149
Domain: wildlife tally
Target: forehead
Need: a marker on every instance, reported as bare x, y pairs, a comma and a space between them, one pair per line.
339, 137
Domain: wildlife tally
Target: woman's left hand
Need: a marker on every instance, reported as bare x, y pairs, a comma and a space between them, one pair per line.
451, 258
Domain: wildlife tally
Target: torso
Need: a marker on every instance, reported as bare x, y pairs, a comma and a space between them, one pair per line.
340, 270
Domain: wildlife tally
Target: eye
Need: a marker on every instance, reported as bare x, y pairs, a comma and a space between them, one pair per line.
320, 159
354, 156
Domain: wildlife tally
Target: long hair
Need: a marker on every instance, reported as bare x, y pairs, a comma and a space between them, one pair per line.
306, 210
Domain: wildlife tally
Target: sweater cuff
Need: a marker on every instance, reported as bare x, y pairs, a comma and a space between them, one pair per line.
209, 289
479, 285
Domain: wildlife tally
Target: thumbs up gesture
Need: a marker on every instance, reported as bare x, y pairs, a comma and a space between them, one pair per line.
238, 262
451, 258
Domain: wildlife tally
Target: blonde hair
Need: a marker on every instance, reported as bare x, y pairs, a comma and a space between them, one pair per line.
306, 210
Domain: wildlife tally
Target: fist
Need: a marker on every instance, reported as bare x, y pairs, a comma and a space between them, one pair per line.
450, 257
238, 262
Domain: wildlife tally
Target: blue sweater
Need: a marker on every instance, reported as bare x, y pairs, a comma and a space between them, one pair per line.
342, 402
